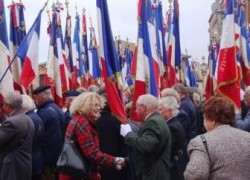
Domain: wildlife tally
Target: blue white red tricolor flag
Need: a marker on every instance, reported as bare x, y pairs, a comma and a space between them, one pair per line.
109, 61
228, 81
243, 48
6, 85
17, 34
85, 54
77, 52
94, 63
147, 77
126, 70
210, 81
69, 54
55, 57
174, 49
190, 75
28, 51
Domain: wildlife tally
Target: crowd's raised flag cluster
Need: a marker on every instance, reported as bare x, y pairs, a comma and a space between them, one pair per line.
76, 60
229, 60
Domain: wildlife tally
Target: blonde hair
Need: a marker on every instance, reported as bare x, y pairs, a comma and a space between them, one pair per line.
83, 103
28, 102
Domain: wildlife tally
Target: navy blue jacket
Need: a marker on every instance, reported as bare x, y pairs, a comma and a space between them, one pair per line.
52, 140
188, 125
188, 106
60, 114
37, 159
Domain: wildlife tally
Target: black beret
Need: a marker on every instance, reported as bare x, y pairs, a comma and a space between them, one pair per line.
41, 89
71, 93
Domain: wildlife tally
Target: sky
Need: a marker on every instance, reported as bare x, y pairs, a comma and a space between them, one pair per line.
194, 16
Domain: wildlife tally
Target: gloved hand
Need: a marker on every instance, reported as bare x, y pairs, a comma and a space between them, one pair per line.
120, 163
125, 129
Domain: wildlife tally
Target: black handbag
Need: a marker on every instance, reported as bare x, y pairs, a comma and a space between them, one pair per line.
71, 161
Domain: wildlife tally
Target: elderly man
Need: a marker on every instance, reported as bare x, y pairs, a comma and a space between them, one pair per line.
152, 145
52, 140
168, 108
69, 96
16, 136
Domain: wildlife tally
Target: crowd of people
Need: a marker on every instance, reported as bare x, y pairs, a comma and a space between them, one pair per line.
177, 136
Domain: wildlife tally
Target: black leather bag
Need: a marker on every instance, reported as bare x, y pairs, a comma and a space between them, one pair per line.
72, 162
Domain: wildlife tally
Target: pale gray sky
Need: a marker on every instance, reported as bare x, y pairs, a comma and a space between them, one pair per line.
194, 16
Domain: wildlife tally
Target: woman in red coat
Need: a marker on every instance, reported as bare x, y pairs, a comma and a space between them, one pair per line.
85, 109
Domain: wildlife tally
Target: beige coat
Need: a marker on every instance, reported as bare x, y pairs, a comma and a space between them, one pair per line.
229, 155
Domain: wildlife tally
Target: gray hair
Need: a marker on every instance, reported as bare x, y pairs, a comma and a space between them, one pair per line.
180, 88
28, 102
170, 102
150, 101
196, 97
171, 92
14, 99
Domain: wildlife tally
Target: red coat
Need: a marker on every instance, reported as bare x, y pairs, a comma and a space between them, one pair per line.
87, 139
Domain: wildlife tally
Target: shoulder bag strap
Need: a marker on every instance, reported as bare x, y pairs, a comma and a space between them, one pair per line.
204, 141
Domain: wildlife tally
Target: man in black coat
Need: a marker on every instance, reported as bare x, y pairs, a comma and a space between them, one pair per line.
16, 136
68, 98
110, 141
168, 107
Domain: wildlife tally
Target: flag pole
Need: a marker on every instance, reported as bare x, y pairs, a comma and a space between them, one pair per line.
13, 59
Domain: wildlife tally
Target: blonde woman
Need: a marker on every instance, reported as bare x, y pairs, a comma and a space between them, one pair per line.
85, 109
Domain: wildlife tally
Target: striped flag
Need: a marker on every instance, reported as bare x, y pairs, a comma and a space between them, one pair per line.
109, 61
190, 75
94, 63
228, 82
28, 51
77, 52
6, 85
126, 70
69, 54
244, 47
55, 58
174, 49
17, 34
85, 54
212, 58
147, 67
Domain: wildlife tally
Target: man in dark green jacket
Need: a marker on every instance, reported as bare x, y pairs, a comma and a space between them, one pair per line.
151, 147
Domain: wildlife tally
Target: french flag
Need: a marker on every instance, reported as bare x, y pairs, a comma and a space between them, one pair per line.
17, 34
190, 76
245, 48
54, 56
174, 49
126, 70
109, 61
69, 54
94, 63
228, 81
209, 87
29, 53
77, 52
6, 83
147, 67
